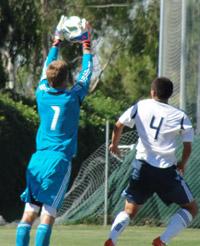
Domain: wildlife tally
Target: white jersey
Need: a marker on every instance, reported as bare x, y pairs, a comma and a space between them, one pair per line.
158, 126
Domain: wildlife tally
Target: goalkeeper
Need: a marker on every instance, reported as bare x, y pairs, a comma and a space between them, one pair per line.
49, 169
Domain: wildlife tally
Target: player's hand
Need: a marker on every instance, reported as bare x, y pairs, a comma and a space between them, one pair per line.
59, 29
114, 149
85, 37
86, 40
181, 168
88, 30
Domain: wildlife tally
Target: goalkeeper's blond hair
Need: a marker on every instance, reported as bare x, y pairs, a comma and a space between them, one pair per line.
57, 73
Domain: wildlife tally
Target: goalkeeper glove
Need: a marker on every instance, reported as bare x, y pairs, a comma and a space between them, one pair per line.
85, 36
59, 29
86, 40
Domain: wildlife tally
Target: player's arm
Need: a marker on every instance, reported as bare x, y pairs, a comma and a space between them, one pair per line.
116, 135
53, 52
126, 119
52, 56
187, 134
86, 71
82, 84
187, 150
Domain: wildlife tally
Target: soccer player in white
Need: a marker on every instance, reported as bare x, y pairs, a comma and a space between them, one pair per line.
155, 168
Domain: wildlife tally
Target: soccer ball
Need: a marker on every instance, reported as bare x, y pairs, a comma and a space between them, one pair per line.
73, 28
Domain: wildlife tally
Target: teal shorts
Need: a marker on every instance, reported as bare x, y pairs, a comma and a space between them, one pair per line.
47, 178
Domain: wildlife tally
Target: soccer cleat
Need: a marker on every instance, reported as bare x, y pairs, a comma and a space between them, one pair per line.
157, 242
109, 242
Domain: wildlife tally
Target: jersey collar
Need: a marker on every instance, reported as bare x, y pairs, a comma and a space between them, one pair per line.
55, 91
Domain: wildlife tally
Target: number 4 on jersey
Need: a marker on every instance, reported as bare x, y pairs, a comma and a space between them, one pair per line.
157, 127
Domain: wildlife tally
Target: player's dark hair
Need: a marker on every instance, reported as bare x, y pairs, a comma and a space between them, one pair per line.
163, 87
57, 73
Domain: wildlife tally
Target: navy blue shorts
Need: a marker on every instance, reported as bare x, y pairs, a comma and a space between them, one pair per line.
146, 180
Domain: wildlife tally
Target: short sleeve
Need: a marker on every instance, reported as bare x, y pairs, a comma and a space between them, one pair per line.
187, 131
127, 118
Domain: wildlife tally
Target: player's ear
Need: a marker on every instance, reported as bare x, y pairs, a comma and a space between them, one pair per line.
153, 93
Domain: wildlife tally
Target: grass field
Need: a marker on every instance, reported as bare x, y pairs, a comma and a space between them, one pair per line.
83, 235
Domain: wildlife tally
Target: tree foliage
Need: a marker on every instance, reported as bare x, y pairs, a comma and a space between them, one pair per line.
135, 61
19, 32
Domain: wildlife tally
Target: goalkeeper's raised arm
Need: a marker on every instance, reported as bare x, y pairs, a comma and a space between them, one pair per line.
81, 86
53, 52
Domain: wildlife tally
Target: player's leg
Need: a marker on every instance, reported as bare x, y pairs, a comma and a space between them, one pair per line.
183, 217
121, 222
136, 194
44, 229
52, 191
179, 221
24, 227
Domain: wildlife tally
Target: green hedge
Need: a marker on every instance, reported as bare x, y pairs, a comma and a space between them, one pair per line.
18, 124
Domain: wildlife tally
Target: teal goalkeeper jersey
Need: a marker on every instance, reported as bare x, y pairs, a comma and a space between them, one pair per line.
59, 109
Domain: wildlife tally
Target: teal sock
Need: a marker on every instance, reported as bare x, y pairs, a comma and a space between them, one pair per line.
23, 234
43, 234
